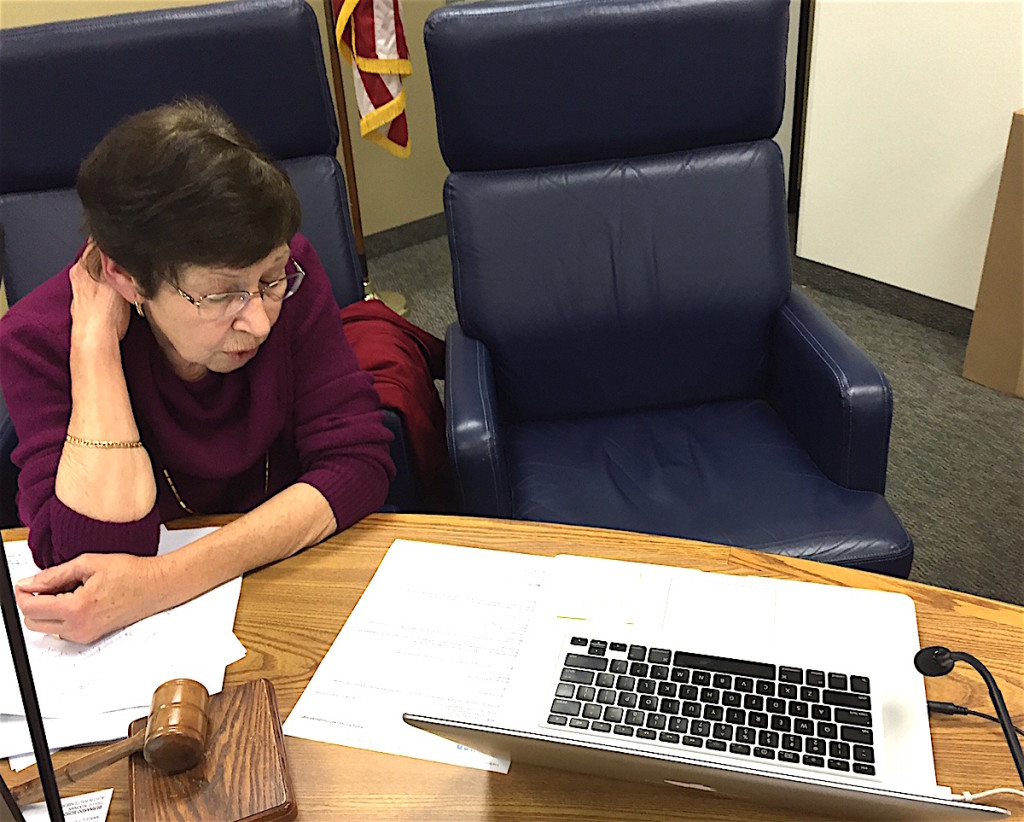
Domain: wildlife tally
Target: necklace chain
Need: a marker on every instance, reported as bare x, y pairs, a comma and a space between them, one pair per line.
187, 510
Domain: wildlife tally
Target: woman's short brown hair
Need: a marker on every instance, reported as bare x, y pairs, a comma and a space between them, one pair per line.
181, 185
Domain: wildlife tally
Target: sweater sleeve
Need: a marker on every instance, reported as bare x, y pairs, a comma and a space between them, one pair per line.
35, 347
339, 429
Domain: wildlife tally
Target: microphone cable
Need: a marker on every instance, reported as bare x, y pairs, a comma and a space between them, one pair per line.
952, 709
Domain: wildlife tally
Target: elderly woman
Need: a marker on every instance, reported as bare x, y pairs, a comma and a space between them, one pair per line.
191, 360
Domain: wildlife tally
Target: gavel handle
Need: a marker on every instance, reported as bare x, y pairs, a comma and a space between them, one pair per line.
32, 791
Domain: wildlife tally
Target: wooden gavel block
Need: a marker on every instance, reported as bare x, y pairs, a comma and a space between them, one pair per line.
173, 741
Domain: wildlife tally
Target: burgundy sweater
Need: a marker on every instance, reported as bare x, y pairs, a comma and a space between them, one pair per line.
302, 400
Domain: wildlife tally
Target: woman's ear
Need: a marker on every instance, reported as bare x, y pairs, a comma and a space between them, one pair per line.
118, 278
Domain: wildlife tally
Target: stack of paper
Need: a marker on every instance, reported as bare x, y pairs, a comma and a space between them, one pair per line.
90, 693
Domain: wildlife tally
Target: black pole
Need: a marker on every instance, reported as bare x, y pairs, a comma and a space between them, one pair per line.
796, 142
19, 653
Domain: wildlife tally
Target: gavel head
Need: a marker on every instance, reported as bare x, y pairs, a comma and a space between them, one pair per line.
176, 729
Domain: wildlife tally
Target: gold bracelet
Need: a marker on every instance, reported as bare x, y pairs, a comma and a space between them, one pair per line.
71, 438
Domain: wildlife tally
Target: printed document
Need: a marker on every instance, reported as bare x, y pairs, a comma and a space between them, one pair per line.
438, 631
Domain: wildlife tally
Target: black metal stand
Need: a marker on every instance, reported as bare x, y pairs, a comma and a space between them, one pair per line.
16, 639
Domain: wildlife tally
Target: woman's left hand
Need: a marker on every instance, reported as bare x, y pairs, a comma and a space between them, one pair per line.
90, 596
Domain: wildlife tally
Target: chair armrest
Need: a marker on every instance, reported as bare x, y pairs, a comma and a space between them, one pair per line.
832, 397
474, 441
402, 494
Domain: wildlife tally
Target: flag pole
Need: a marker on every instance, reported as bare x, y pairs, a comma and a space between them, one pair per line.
392, 299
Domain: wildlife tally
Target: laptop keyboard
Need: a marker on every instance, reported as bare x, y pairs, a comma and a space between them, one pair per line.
805, 718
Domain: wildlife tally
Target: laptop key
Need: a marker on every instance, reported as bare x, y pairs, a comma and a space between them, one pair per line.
603, 727
646, 733
606, 696
645, 686
794, 675
648, 703
605, 680
764, 753
847, 700
680, 675
693, 741
679, 724
613, 715
715, 745
723, 665
637, 652
660, 656
861, 768
746, 735
579, 640
700, 727
713, 712
656, 721
592, 711
585, 693
555, 719
574, 675
619, 646
846, 717
623, 730
813, 761
862, 753
839, 765
816, 678
738, 748
565, 689
667, 736
822, 712
789, 756
582, 724
855, 734
618, 666
837, 681
627, 699
860, 685
634, 717
816, 746
597, 647
566, 706
591, 663
743, 684
669, 706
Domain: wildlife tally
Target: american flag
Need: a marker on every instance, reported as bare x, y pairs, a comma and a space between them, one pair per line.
371, 38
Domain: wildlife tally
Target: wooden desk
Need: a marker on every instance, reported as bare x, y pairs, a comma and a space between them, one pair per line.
290, 613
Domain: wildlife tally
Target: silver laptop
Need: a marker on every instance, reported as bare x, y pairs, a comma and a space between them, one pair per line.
784, 693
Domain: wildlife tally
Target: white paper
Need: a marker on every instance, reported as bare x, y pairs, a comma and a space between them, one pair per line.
438, 631
87, 807
89, 693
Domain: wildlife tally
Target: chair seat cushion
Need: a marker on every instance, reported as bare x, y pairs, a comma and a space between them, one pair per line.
742, 476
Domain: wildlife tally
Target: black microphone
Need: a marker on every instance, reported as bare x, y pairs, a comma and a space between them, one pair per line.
938, 661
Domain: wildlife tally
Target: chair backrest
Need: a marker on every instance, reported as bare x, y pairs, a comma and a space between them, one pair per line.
66, 84
617, 227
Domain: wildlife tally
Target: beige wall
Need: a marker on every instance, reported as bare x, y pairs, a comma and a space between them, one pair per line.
908, 114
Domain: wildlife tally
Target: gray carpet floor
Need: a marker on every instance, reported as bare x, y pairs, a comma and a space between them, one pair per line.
956, 459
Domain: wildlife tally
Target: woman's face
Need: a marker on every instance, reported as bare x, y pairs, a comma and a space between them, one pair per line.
194, 342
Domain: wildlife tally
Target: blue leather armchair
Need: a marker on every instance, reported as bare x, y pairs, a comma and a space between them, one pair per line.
629, 351
66, 84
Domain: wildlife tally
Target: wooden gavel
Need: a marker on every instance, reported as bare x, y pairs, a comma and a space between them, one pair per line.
174, 739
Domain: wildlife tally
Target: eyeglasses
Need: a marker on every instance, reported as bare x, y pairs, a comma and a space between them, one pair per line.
230, 303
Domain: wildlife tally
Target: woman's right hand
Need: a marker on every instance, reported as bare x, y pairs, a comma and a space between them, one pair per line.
96, 307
